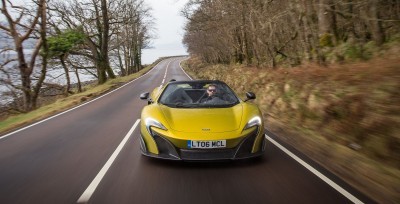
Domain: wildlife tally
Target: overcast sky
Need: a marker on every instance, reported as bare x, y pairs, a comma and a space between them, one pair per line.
169, 22
169, 25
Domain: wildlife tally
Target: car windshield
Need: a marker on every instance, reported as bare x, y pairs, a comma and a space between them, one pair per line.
198, 94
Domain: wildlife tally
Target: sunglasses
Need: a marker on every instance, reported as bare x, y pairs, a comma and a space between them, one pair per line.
212, 90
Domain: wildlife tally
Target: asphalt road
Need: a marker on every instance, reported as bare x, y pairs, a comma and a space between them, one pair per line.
81, 156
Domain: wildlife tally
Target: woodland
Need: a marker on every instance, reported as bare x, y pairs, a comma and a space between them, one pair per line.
271, 33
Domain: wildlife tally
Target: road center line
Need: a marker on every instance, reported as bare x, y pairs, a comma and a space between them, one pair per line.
92, 187
166, 70
316, 172
165, 76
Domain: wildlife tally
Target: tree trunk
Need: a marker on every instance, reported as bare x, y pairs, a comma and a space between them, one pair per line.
239, 50
25, 73
109, 70
26, 87
101, 71
79, 81
68, 86
137, 60
378, 34
44, 51
327, 23
105, 40
121, 64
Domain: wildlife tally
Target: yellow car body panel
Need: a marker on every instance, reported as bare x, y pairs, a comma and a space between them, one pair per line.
203, 120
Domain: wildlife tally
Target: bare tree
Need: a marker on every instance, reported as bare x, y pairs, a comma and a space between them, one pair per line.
132, 34
20, 29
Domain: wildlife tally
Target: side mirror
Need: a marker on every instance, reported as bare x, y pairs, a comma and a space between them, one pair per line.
144, 96
250, 96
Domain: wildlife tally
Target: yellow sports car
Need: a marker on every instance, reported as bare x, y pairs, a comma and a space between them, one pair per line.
200, 120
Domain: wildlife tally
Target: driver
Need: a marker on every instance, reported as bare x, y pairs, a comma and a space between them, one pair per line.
212, 94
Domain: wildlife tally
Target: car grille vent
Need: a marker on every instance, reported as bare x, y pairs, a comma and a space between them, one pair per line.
215, 154
165, 147
247, 144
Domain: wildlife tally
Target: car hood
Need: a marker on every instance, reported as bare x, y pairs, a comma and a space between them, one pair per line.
210, 120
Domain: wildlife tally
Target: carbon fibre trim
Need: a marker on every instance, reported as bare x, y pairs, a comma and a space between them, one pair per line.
165, 147
142, 144
247, 144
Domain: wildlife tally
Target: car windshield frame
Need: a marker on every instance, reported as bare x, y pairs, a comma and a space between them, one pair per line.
193, 94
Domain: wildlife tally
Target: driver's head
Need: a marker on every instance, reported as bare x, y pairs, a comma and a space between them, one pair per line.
212, 89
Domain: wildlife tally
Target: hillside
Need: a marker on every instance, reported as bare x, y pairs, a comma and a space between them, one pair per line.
344, 116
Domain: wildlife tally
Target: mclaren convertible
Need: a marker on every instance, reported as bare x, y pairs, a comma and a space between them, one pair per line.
200, 120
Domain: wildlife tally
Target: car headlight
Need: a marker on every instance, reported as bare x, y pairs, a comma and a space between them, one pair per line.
256, 121
150, 122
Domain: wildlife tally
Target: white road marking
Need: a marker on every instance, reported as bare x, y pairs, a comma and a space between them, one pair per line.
316, 172
166, 70
92, 187
54, 116
184, 70
165, 76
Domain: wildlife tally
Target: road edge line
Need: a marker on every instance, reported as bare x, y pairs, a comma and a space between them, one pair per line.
183, 69
316, 172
